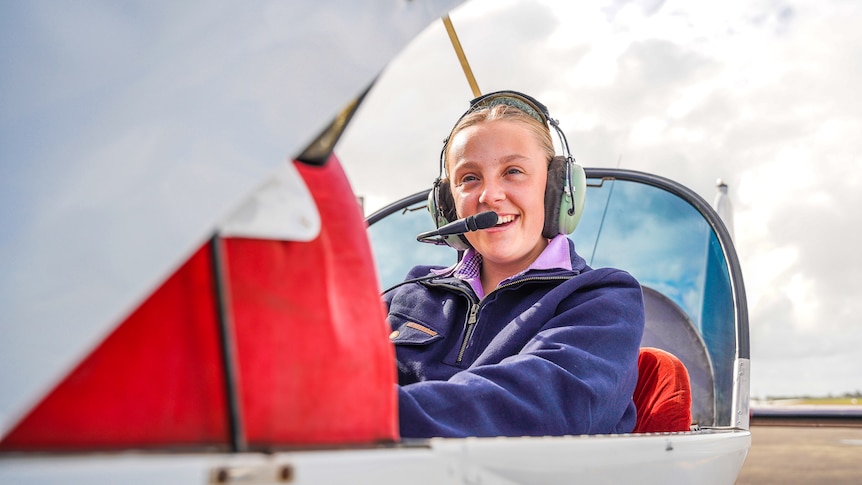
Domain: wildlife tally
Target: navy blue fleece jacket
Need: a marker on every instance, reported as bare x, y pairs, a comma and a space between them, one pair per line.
553, 352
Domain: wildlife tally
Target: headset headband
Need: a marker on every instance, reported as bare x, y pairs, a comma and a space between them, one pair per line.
514, 99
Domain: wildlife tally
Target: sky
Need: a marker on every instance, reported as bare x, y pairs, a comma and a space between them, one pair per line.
760, 94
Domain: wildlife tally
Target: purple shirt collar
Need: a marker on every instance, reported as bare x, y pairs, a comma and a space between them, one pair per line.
555, 256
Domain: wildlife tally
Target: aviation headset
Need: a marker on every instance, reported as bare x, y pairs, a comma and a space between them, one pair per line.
565, 190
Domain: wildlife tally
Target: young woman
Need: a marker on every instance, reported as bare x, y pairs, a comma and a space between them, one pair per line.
520, 337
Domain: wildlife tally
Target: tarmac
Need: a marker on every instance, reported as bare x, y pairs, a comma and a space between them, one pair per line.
803, 454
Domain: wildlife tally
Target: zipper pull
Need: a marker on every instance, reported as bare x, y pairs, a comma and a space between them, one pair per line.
474, 311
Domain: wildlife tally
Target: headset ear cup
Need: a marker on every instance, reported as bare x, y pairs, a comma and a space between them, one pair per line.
558, 203
446, 204
568, 222
434, 208
441, 205
554, 196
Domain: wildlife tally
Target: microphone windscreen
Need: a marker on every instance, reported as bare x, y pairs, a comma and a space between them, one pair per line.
486, 220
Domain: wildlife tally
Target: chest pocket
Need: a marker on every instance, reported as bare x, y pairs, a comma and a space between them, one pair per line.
412, 333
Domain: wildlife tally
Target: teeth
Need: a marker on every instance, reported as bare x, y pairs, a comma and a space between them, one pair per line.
505, 219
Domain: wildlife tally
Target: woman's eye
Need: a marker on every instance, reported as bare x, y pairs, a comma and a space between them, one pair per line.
513, 171
468, 178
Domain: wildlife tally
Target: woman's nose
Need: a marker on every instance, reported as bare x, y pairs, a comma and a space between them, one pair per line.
492, 192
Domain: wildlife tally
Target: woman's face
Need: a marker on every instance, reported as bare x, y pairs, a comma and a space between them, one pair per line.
500, 166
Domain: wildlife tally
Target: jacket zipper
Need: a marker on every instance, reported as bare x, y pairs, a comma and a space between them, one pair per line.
468, 331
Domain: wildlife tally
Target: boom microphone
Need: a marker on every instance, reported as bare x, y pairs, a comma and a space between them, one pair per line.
482, 220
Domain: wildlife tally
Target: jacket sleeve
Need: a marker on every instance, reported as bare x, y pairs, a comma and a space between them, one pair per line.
576, 375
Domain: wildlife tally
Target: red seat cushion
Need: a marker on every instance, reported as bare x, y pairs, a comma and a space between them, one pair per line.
663, 393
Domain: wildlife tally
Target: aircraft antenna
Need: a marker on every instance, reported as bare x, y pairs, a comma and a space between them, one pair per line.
456, 44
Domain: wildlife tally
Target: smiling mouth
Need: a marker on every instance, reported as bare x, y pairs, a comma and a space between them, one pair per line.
503, 220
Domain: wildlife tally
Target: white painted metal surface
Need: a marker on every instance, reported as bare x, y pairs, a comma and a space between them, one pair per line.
705, 457
282, 209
